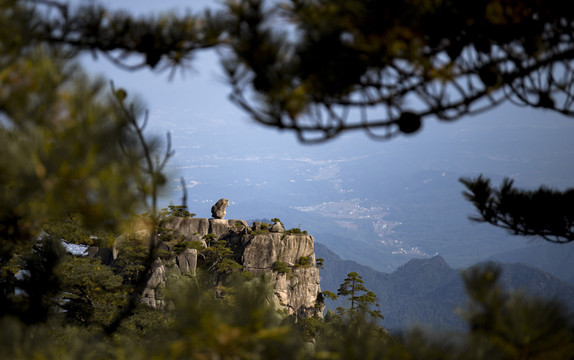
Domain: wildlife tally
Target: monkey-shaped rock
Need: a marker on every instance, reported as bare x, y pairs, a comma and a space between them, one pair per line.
218, 210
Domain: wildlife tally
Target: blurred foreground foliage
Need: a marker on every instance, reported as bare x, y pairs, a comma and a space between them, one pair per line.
197, 324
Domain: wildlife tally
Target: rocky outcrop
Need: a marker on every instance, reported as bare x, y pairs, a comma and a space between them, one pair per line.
297, 281
259, 249
194, 229
287, 258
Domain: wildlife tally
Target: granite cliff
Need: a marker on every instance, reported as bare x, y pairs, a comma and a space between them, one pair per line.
287, 258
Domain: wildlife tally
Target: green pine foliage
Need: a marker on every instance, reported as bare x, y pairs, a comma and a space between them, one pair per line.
296, 231
219, 258
132, 258
181, 246
92, 294
280, 267
545, 212
361, 299
179, 211
303, 262
244, 324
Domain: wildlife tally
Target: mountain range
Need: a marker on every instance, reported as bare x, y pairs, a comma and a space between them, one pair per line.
428, 292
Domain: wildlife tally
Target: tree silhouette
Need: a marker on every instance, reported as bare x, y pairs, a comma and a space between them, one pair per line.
545, 212
343, 65
361, 298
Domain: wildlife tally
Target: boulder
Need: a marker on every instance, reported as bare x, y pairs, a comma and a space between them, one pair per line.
239, 226
218, 210
156, 277
148, 298
277, 228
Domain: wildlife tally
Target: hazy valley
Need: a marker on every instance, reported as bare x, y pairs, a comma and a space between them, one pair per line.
379, 204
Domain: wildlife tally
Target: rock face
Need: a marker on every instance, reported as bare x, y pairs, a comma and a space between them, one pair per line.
187, 261
287, 259
218, 210
188, 227
152, 294
297, 288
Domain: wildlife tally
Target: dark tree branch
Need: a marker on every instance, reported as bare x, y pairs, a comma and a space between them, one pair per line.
154, 171
544, 212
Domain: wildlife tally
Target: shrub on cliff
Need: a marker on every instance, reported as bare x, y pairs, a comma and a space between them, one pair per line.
280, 267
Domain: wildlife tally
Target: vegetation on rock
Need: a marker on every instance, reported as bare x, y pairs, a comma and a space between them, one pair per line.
296, 231
280, 267
179, 211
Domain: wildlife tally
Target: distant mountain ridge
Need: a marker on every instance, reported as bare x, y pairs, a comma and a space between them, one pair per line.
427, 292
552, 258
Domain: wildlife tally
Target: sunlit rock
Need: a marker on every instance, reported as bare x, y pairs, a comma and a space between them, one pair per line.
218, 210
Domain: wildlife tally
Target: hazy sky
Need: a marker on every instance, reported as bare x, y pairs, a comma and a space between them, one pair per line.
198, 99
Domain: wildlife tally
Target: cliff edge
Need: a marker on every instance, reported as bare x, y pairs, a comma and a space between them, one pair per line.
287, 258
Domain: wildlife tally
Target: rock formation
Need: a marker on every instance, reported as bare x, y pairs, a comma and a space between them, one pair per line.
152, 294
277, 228
187, 261
297, 288
287, 258
218, 210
